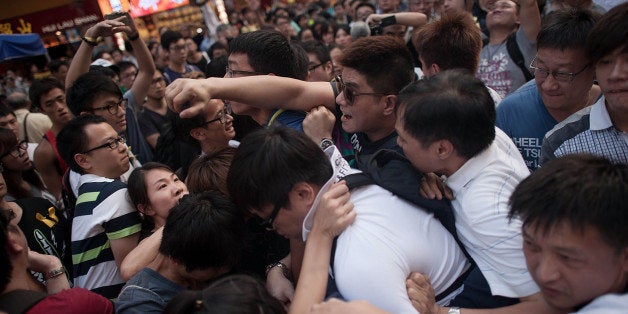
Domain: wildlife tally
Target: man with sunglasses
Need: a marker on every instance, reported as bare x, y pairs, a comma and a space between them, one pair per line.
563, 83
105, 225
601, 129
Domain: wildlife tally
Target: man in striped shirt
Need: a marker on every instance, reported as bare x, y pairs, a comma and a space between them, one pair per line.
105, 226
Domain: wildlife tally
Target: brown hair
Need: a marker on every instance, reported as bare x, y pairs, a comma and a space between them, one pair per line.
209, 172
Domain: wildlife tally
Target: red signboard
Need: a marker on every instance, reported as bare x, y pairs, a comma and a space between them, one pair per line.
145, 7
52, 20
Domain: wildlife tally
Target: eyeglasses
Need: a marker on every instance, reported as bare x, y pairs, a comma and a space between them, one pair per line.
349, 94
113, 107
268, 223
111, 144
223, 117
15, 151
558, 75
231, 73
178, 47
312, 68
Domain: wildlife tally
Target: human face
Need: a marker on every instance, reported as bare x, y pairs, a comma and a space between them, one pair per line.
157, 88
287, 222
164, 190
61, 73
422, 6
284, 27
342, 38
318, 71
178, 52
364, 114
328, 37
127, 77
563, 98
335, 54
108, 57
453, 6
387, 5
9, 122
191, 46
503, 13
16, 159
218, 128
612, 76
54, 106
239, 62
363, 12
573, 266
307, 35
396, 30
104, 162
117, 120
421, 156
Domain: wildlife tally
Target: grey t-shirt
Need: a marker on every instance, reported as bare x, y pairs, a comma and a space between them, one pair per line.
498, 71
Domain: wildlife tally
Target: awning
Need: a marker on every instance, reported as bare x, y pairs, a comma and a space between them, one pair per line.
19, 46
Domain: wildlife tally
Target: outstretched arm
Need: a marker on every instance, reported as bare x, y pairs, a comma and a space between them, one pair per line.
414, 19
263, 91
83, 57
530, 19
145, 63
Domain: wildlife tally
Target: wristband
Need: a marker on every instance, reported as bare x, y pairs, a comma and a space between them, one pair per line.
54, 273
134, 36
389, 20
284, 269
90, 41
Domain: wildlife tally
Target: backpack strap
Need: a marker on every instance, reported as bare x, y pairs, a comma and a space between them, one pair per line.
19, 301
274, 117
515, 54
25, 127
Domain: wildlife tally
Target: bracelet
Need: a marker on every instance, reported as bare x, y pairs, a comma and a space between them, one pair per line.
284, 269
54, 273
90, 41
134, 36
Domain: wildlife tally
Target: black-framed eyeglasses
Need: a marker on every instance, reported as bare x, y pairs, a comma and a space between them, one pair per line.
223, 116
349, 94
268, 222
111, 144
15, 151
558, 75
312, 68
232, 73
113, 108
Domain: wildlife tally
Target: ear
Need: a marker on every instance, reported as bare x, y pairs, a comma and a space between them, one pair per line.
302, 194
328, 68
443, 149
82, 161
198, 134
435, 68
142, 208
390, 102
13, 245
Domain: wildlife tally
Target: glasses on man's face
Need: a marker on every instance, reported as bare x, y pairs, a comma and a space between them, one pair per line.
17, 150
268, 223
111, 144
178, 47
113, 107
349, 94
312, 68
232, 73
542, 74
223, 116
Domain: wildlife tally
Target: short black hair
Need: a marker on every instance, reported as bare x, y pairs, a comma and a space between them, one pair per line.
581, 190
43, 86
235, 294
5, 111
55, 64
87, 87
72, 139
609, 34
123, 65
318, 49
267, 51
169, 37
566, 29
453, 105
288, 156
204, 230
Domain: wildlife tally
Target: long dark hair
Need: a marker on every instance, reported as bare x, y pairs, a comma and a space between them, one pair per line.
8, 141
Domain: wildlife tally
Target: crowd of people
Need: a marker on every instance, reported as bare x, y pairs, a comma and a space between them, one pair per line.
355, 157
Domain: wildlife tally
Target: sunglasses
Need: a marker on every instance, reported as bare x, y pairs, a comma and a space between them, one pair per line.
349, 94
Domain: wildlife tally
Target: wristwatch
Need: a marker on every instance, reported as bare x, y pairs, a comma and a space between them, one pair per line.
454, 310
325, 143
284, 269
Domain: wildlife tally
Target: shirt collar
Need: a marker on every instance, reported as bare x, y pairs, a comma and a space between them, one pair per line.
599, 119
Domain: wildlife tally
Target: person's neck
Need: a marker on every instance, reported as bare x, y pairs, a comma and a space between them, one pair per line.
207, 147
21, 278
156, 104
619, 119
500, 34
261, 115
166, 267
177, 67
382, 132
56, 127
453, 164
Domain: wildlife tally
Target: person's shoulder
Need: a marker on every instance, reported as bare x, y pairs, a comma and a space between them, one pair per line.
607, 304
75, 300
577, 123
521, 97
